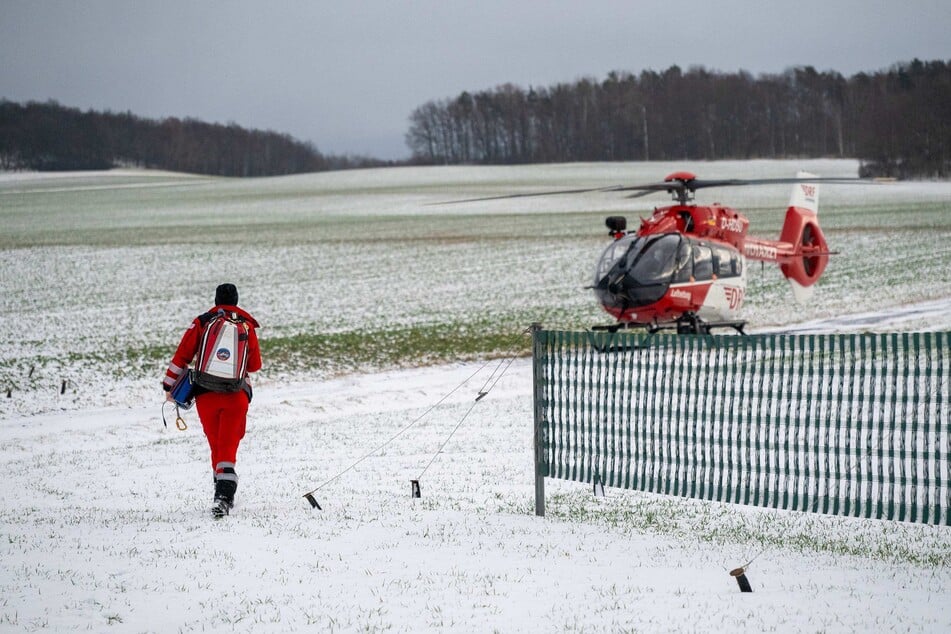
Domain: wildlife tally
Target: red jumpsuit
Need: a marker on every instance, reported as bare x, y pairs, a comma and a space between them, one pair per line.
223, 415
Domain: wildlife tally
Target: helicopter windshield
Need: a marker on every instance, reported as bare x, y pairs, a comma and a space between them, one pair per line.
635, 271
656, 261
649, 260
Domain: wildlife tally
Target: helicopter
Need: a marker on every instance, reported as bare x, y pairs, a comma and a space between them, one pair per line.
685, 267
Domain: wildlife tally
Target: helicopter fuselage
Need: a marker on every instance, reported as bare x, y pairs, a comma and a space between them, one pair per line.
691, 260
650, 278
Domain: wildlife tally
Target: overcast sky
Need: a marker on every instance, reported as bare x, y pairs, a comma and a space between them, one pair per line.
346, 74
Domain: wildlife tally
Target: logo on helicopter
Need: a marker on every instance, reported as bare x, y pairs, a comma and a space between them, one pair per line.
680, 294
734, 296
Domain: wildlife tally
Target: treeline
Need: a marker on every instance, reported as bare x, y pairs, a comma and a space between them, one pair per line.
48, 136
898, 122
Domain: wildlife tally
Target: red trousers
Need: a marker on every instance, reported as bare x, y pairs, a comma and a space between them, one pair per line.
223, 417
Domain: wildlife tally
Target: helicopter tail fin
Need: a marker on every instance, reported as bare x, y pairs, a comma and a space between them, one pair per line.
801, 229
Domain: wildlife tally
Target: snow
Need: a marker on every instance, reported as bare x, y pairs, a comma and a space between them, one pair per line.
105, 513
106, 525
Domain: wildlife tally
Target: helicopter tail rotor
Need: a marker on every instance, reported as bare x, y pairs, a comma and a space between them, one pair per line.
801, 229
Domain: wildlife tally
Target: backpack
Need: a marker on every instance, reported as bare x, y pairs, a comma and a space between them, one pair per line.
223, 352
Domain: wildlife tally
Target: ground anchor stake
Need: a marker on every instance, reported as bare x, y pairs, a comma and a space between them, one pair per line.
313, 502
741, 580
598, 487
414, 484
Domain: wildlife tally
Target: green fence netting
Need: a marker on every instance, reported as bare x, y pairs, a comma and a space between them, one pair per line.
855, 425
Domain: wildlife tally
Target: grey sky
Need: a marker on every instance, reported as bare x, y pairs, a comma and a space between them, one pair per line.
347, 74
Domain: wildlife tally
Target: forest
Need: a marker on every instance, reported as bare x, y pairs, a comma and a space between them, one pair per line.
48, 136
897, 121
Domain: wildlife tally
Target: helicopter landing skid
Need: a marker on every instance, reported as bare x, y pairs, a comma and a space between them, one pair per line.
686, 324
610, 344
621, 325
691, 324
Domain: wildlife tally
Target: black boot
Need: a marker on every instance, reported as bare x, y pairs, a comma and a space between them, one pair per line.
225, 486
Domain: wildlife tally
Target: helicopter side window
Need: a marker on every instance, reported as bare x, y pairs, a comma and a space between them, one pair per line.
725, 263
702, 263
683, 271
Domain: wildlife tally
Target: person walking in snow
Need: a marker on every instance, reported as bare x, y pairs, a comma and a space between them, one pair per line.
226, 346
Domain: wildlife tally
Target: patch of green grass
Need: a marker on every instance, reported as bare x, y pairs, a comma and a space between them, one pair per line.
764, 529
392, 347
325, 354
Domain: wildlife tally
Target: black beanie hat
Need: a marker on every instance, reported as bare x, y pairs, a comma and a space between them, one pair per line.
226, 295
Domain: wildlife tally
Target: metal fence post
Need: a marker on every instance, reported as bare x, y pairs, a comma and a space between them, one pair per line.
538, 393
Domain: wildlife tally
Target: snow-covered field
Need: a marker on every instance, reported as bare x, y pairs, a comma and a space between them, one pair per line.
104, 522
105, 526
102, 270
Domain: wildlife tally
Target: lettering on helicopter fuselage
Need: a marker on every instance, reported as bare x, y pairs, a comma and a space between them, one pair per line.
734, 296
731, 224
760, 252
681, 295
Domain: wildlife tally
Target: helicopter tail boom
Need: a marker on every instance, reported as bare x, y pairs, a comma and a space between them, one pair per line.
801, 251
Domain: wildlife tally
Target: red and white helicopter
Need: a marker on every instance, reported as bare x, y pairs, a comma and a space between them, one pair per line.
685, 266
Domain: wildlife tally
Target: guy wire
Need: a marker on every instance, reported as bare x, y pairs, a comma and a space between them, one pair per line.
507, 362
446, 441
400, 432
482, 393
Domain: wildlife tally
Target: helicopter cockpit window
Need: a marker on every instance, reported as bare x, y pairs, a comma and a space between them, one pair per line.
657, 261
636, 271
702, 263
650, 260
618, 255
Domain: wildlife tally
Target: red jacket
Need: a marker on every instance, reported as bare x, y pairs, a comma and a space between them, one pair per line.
188, 347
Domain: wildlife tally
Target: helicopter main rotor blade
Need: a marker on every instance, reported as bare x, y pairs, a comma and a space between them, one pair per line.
742, 182
640, 192
693, 185
612, 188
738, 182
674, 186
